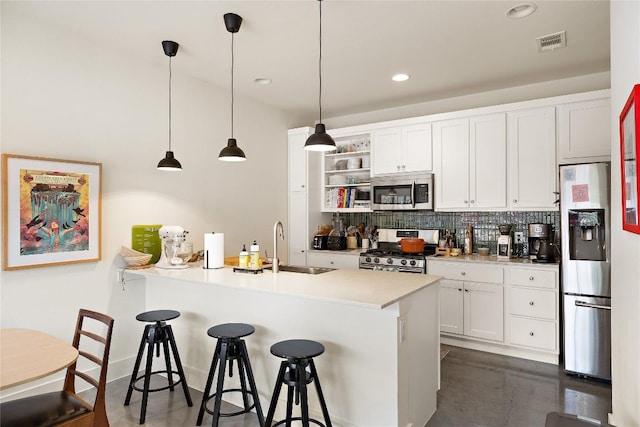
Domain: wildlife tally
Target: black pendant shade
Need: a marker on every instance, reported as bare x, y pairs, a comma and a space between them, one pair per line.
232, 153
320, 140
169, 163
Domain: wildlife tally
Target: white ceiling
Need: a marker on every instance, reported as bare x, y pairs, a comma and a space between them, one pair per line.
449, 48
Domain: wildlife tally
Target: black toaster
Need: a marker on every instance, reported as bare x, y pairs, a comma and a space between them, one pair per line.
320, 242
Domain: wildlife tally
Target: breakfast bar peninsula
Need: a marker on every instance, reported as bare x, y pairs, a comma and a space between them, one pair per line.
380, 330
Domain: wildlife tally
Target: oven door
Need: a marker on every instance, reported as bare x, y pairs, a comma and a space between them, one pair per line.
406, 192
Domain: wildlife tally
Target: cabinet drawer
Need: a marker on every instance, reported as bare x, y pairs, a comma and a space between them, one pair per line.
533, 303
467, 271
332, 260
539, 334
533, 277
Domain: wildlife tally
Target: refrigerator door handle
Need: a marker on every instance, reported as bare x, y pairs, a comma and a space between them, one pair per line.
587, 305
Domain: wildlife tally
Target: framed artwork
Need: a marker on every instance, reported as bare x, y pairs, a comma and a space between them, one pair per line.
629, 150
51, 212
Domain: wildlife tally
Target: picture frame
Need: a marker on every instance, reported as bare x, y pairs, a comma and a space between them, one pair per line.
51, 212
629, 151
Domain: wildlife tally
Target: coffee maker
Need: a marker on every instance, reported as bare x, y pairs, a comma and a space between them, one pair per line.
504, 241
538, 233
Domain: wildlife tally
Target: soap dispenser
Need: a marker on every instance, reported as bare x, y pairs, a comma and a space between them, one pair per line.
254, 255
243, 259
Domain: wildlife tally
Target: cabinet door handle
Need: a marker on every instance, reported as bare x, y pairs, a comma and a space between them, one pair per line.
459, 289
463, 273
331, 262
466, 290
398, 167
402, 167
302, 186
466, 202
530, 277
302, 251
515, 201
473, 201
531, 333
530, 302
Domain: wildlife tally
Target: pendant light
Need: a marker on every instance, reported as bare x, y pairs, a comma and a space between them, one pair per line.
232, 153
170, 163
320, 140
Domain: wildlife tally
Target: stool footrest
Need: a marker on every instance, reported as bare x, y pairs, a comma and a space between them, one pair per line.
311, 420
229, 414
170, 385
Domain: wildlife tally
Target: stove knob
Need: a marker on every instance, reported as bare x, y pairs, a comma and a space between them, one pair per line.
413, 262
389, 261
404, 262
376, 260
368, 259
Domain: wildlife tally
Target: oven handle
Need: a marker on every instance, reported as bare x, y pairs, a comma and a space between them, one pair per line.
587, 305
413, 194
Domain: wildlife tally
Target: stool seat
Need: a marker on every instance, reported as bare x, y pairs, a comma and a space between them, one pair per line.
157, 315
230, 330
297, 349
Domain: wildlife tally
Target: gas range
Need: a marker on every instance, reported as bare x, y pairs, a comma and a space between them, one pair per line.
389, 257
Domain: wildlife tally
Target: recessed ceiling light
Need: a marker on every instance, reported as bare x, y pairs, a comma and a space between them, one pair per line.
400, 77
521, 10
263, 81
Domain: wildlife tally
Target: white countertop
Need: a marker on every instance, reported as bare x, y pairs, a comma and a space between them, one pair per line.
373, 289
493, 259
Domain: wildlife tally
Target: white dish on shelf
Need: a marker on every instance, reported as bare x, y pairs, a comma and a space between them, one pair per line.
337, 179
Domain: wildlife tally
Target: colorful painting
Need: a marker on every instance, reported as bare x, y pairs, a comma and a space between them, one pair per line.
51, 211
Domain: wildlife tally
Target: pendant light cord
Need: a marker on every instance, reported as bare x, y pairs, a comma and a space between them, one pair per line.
232, 60
169, 103
320, 65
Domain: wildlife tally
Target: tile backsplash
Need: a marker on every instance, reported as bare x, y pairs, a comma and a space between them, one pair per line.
485, 224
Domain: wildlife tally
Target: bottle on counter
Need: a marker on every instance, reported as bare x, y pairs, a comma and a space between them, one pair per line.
468, 241
243, 259
254, 255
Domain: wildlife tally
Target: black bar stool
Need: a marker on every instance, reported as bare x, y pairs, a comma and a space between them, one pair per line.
230, 347
293, 372
155, 334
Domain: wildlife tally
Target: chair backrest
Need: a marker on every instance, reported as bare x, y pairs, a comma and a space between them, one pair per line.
88, 336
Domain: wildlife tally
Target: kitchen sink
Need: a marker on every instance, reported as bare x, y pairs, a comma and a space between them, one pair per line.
304, 270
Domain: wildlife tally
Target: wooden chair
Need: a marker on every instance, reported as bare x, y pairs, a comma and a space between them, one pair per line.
66, 408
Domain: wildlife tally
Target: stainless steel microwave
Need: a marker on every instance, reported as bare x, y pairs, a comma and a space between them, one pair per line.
402, 192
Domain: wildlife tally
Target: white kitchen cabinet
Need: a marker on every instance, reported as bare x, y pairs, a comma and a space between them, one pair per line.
304, 213
401, 149
534, 308
470, 163
584, 131
532, 159
451, 306
331, 259
471, 299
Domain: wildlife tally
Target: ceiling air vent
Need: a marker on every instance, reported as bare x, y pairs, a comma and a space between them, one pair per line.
552, 41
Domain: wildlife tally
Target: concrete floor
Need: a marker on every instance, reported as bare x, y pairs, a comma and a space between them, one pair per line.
478, 389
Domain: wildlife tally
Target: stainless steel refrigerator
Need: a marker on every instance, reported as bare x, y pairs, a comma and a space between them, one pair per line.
586, 261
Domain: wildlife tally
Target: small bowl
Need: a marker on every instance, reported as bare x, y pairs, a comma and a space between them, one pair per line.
483, 251
455, 251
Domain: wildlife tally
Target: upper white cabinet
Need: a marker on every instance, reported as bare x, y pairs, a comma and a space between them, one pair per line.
584, 131
401, 149
532, 159
470, 163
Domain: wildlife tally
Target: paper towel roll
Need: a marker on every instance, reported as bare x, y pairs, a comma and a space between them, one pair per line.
213, 250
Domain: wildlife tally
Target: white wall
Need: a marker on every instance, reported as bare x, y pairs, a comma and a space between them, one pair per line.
64, 97
625, 246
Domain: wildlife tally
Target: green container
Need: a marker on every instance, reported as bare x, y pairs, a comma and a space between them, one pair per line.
146, 239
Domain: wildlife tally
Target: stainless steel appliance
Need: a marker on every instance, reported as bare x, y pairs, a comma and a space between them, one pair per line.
389, 256
402, 192
504, 241
585, 223
537, 233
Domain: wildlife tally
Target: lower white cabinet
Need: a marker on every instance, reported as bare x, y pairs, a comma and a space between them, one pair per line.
508, 308
470, 307
332, 260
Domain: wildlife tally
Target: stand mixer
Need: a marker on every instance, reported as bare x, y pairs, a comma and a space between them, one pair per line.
172, 236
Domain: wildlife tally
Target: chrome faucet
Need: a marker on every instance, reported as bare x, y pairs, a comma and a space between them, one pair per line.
275, 263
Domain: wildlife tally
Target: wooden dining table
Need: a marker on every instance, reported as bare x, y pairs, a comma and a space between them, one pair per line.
27, 355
